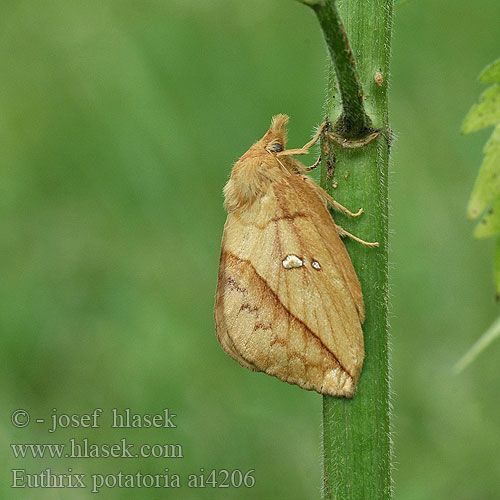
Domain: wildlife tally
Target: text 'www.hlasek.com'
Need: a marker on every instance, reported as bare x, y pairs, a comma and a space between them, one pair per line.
52, 454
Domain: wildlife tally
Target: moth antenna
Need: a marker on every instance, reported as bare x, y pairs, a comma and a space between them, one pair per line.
316, 136
305, 149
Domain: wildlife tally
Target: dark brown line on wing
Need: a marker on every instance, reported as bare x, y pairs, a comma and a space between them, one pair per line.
262, 326
247, 307
233, 285
276, 298
289, 217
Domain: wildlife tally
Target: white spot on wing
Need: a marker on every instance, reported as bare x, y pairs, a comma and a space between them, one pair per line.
316, 265
292, 261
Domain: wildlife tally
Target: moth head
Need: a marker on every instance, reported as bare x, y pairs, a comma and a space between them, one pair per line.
275, 138
253, 172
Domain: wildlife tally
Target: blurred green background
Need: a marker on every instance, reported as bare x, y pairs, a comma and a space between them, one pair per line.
120, 122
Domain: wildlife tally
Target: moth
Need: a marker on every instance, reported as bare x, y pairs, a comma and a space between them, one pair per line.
288, 301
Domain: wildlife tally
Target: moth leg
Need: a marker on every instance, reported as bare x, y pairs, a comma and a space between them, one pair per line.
305, 149
342, 232
335, 204
314, 165
329, 200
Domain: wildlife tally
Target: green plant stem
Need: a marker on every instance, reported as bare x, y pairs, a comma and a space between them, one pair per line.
353, 121
356, 432
491, 334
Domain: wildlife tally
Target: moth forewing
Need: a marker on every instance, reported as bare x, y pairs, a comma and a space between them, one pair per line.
288, 301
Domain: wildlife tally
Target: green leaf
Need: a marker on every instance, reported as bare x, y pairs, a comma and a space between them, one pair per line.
491, 74
490, 223
486, 191
487, 186
485, 112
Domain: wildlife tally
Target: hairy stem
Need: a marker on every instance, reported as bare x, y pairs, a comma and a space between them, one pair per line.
356, 432
353, 121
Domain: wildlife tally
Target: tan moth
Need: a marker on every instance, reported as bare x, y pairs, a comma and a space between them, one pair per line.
288, 301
